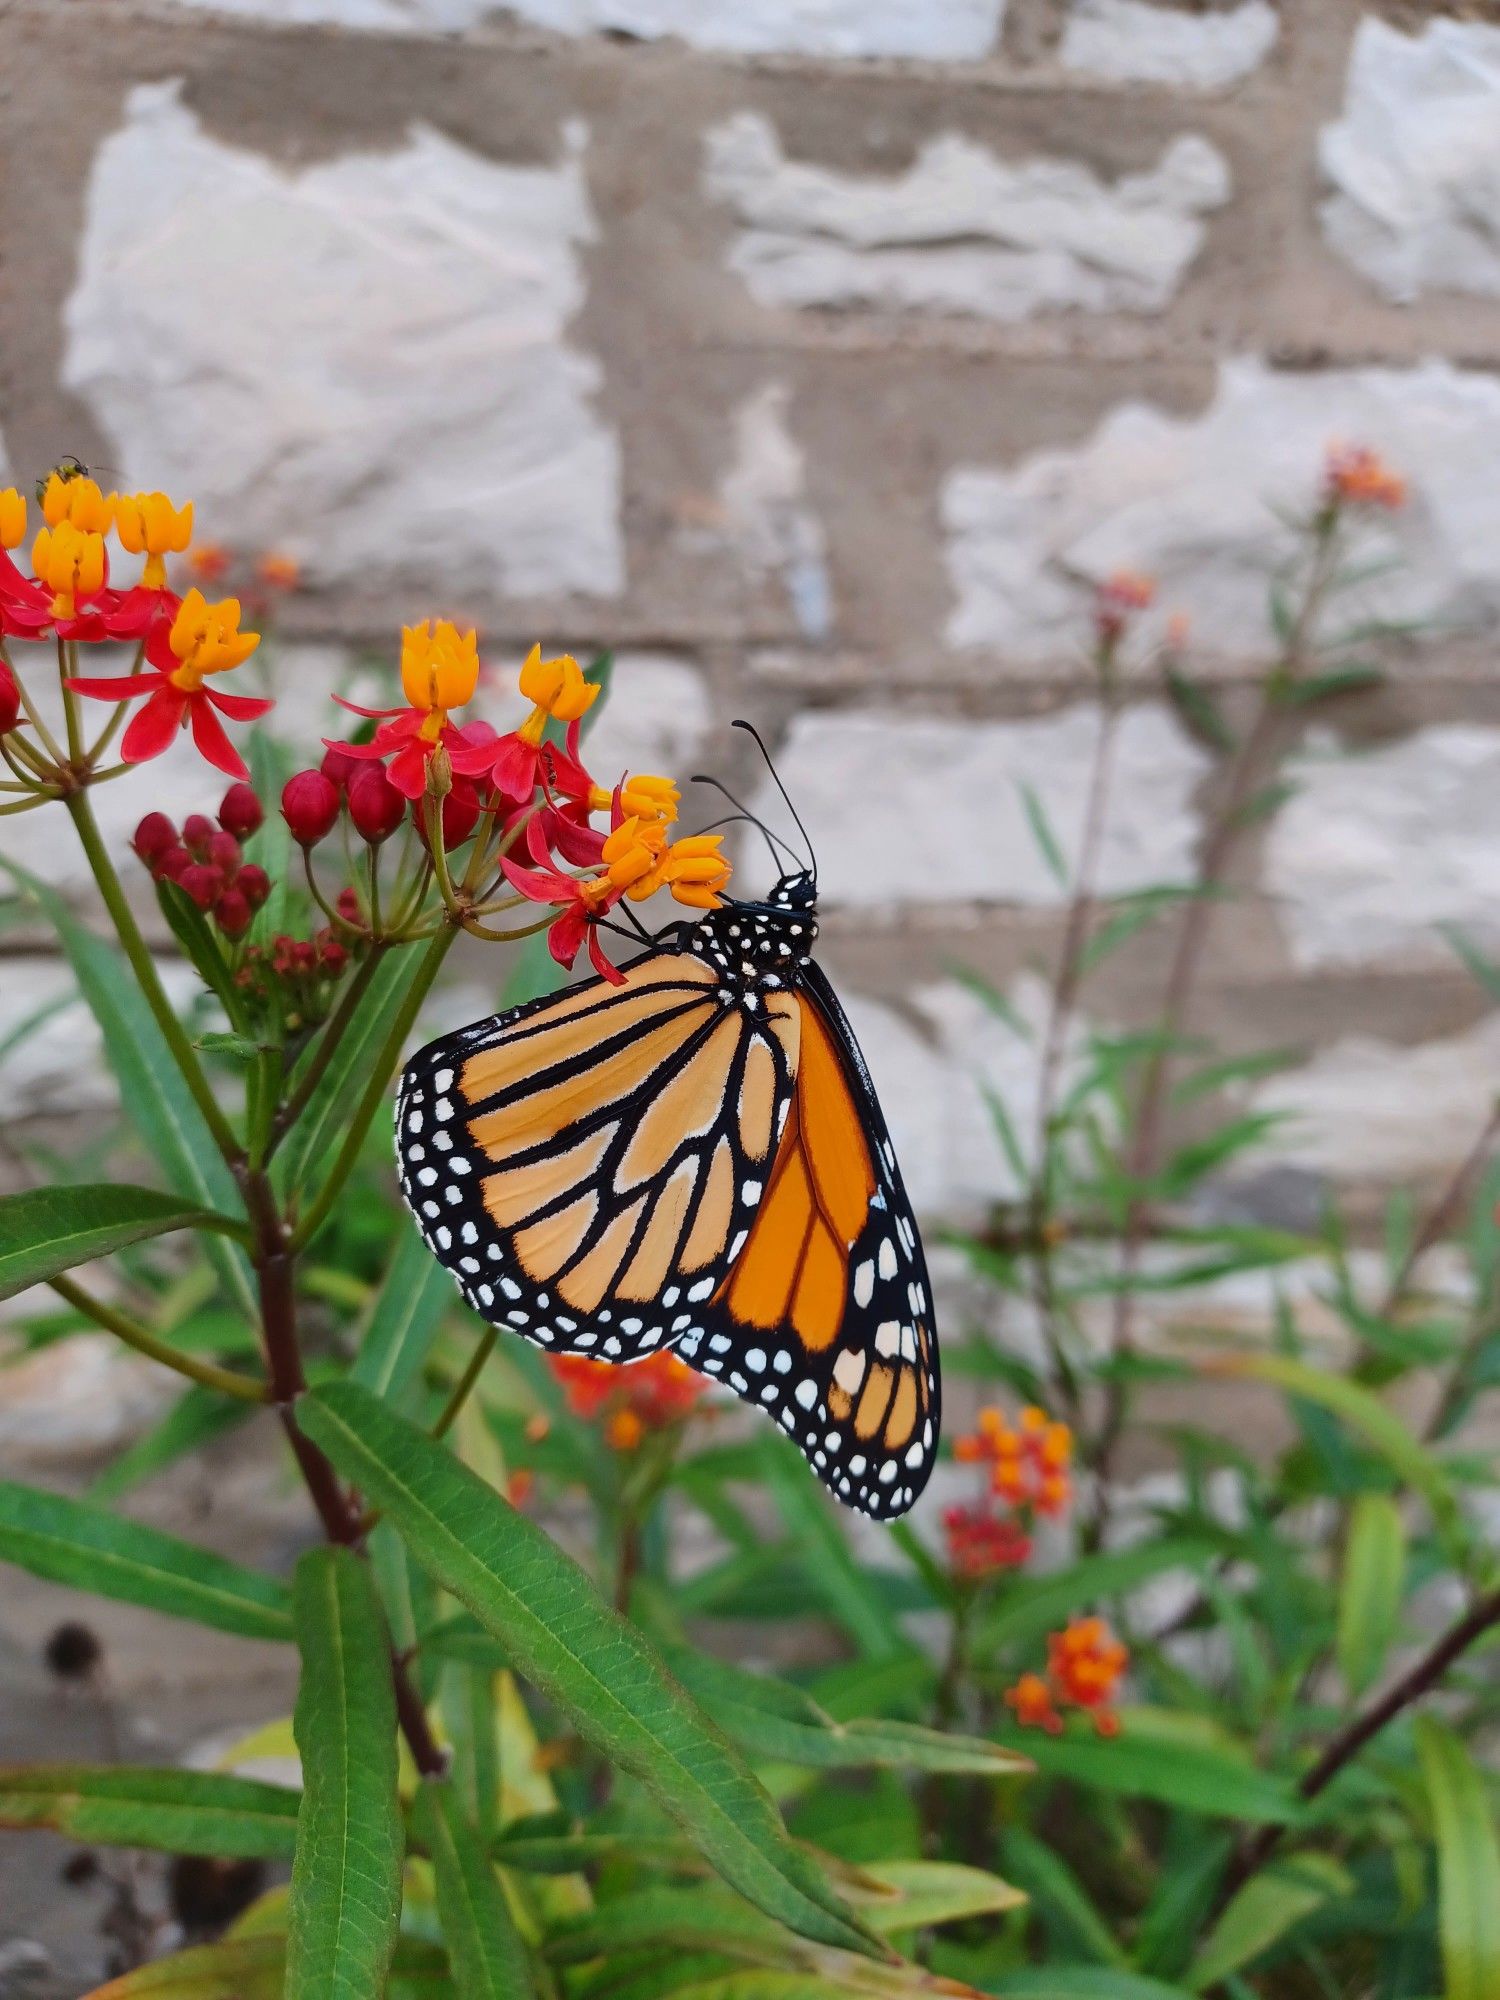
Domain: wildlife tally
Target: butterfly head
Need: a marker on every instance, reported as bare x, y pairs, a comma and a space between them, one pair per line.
797, 891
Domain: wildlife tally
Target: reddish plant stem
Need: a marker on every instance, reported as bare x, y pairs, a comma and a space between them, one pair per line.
1419, 1679
275, 1268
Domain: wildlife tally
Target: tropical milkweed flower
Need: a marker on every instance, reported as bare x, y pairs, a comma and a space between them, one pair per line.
203, 640
439, 672
1085, 1663
75, 498
149, 525
1356, 476
630, 1399
693, 869
1030, 1461
981, 1543
515, 764
1120, 595
623, 858
66, 591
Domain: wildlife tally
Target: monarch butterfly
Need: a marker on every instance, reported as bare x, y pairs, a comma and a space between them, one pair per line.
693, 1158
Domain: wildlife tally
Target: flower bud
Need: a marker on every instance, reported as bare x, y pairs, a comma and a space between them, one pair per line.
254, 884
197, 831
233, 913
153, 837
461, 809
347, 905
202, 883
10, 700
310, 805
340, 767
225, 852
439, 774
171, 866
375, 806
241, 812
332, 957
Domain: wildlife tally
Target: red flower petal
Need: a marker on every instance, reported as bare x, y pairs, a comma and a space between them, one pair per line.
355, 709
536, 886
407, 770
582, 845
213, 745
239, 707
599, 962
117, 687
366, 751
567, 934
154, 725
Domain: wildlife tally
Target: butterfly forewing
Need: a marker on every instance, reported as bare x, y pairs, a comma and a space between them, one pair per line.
587, 1166
825, 1320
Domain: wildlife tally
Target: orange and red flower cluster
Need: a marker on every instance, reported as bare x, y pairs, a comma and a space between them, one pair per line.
1356, 476
1028, 1466
630, 1401
1085, 1662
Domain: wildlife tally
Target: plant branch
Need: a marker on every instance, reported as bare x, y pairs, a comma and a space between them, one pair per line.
144, 1341
1418, 1680
482, 1352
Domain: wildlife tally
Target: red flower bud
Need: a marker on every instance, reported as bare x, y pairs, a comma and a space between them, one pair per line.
197, 831
309, 805
203, 884
241, 812
339, 767
233, 913
172, 865
375, 806
153, 837
10, 700
347, 905
225, 852
333, 957
254, 884
461, 810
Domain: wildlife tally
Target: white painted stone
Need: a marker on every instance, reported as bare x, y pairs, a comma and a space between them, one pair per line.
1414, 162
374, 345
1132, 41
952, 31
962, 230
763, 516
655, 718
1379, 847
1371, 1110
78, 1398
971, 841
1186, 500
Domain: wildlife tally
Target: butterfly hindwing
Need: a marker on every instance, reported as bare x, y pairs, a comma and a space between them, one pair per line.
587, 1165
825, 1320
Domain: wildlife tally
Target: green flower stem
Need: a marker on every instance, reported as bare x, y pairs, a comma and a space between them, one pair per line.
380, 1079
225, 1380
465, 1383
144, 968
43, 734
328, 1041
317, 894
27, 805
67, 664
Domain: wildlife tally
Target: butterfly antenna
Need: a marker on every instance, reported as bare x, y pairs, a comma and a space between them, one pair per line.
779, 848
760, 744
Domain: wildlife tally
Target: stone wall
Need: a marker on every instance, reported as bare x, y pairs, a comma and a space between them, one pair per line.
820, 356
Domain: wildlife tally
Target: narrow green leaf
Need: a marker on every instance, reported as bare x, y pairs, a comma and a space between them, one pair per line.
239, 1969
156, 1100
346, 1880
1063, 1904
414, 1294
189, 926
1200, 711
826, 1558
1371, 1588
1259, 1917
45, 1231
593, 1665
775, 1720
1468, 1863
1041, 832
484, 1948
70, 1542
1083, 1982
1174, 1773
1031, 1606
348, 1073
933, 1892
198, 1416
178, 1812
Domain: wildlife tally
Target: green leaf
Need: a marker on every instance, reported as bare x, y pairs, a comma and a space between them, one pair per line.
1468, 1863
1371, 1588
934, 1892
156, 1100
177, 1812
346, 1880
45, 1231
1061, 1901
1041, 832
190, 928
701, 1918
1364, 1412
414, 1294
595, 1667
254, 1968
1176, 1773
825, 1556
70, 1542
484, 1948
326, 1113
775, 1720
1200, 711
1268, 1906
